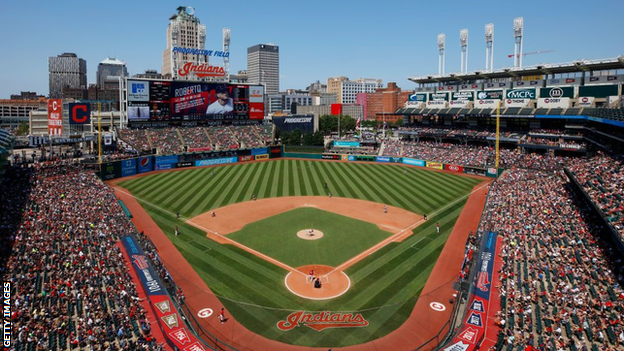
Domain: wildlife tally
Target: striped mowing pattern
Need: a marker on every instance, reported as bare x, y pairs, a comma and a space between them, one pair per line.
385, 285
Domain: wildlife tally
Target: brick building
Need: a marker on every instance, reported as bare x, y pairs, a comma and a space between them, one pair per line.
383, 103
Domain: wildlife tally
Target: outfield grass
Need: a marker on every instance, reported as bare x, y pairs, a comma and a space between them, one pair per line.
343, 238
385, 285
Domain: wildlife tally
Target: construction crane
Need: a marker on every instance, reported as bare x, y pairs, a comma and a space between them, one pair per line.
532, 53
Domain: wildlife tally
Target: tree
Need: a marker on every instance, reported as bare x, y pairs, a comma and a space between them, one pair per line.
347, 123
23, 129
328, 124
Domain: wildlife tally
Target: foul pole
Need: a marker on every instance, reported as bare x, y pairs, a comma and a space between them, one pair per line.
497, 132
100, 135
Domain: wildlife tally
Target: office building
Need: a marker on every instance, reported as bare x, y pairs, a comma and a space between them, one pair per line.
108, 72
186, 40
67, 71
263, 67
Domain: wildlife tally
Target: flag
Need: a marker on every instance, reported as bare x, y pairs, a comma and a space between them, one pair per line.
357, 123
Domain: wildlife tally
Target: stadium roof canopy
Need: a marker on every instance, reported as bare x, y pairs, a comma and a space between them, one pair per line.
540, 69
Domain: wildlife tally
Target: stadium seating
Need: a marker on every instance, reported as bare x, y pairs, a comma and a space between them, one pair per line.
559, 282
72, 290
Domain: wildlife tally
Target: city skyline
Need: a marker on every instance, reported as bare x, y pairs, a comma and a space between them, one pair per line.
362, 39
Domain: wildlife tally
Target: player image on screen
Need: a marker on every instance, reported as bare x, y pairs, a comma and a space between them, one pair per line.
224, 103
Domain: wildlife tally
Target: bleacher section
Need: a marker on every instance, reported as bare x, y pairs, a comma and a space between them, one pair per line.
176, 140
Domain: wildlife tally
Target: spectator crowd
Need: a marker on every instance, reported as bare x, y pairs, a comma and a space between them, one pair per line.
71, 287
561, 282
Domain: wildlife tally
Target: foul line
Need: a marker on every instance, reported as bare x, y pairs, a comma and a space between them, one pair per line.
230, 241
399, 234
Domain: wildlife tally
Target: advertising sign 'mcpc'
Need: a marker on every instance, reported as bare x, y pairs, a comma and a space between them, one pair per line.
79, 113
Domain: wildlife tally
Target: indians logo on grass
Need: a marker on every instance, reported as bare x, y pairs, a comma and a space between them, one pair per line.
322, 320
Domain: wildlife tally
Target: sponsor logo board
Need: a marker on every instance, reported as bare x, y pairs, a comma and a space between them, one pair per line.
262, 157
138, 90
216, 161
414, 162
79, 113
454, 168
435, 165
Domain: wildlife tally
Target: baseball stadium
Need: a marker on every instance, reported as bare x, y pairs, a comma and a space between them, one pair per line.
490, 218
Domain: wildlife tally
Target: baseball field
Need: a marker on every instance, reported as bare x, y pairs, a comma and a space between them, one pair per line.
243, 254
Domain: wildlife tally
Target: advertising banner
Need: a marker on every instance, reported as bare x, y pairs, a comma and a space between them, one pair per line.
492, 172
520, 97
79, 113
435, 165
168, 317
262, 157
472, 331
586, 101
216, 161
461, 98
145, 164
165, 162
454, 168
256, 110
558, 97
488, 98
330, 157
55, 117
110, 170
475, 170
438, 100
128, 167
275, 151
146, 273
256, 93
260, 151
346, 143
553, 102
382, 159
245, 158
138, 90
414, 162
184, 164
200, 149
364, 158
557, 92
416, 100
303, 123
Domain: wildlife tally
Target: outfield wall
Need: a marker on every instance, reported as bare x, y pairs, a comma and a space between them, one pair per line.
144, 164
491, 172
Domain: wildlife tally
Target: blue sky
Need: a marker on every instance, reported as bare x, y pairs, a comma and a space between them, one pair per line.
390, 39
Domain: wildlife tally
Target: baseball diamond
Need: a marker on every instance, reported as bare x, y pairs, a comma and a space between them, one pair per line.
247, 263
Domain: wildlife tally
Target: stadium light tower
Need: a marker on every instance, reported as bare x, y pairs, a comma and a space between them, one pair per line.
518, 26
441, 56
463, 41
227, 35
489, 47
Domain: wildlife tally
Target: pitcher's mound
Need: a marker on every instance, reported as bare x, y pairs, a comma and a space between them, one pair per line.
310, 234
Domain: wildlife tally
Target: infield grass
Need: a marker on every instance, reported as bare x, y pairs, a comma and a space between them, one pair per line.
343, 237
385, 285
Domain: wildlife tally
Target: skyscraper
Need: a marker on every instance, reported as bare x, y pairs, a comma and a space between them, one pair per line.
189, 37
107, 69
67, 71
263, 67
